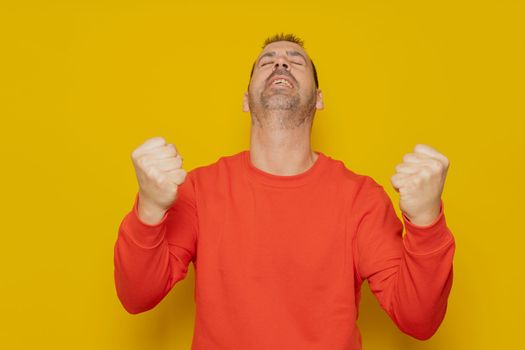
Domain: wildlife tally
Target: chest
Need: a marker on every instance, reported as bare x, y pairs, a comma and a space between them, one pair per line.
276, 235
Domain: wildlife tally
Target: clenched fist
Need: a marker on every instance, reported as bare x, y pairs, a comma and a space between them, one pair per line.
159, 172
419, 181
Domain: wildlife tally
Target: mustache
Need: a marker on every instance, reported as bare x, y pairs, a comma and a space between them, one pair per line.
284, 72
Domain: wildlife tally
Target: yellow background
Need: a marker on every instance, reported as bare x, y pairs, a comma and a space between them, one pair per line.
82, 83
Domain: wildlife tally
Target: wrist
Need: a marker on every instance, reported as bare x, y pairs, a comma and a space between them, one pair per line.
149, 213
425, 218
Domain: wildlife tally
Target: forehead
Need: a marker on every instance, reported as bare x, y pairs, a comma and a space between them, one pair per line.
283, 46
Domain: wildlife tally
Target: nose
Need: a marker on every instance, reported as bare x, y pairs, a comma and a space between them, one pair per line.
281, 62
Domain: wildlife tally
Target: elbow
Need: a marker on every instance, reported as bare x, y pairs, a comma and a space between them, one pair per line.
422, 328
135, 306
135, 309
132, 309
136, 300
422, 334
137, 296
421, 324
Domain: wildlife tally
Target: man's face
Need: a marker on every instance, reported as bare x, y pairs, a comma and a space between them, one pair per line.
282, 79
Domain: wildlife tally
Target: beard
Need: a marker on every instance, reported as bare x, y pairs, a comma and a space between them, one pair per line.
278, 110
279, 101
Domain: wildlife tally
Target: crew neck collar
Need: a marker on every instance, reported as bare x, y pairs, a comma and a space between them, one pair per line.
268, 179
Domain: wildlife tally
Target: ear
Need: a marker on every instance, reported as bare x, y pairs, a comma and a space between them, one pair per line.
319, 102
245, 104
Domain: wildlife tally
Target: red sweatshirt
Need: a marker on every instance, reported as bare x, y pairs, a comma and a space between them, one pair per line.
279, 260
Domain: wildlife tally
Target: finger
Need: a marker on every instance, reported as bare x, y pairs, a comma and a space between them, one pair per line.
149, 146
407, 168
398, 180
423, 165
153, 142
167, 164
176, 176
431, 152
415, 158
166, 151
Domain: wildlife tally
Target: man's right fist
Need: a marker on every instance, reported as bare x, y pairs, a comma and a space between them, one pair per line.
159, 173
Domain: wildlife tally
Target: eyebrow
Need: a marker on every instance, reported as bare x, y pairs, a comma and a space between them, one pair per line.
289, 53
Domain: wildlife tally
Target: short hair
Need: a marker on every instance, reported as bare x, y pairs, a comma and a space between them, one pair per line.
291, 38
283, 37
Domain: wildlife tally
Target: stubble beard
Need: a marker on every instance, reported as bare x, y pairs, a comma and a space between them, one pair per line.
281, 111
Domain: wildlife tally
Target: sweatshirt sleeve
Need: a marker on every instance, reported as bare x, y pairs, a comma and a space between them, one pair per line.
410, 275
150, 259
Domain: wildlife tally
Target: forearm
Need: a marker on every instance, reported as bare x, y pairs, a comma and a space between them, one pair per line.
422, 285
420, 291
142, 271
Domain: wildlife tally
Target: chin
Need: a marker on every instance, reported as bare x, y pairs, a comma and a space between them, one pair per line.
280, 102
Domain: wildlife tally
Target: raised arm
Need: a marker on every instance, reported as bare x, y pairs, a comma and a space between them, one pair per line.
157, 238
411, 276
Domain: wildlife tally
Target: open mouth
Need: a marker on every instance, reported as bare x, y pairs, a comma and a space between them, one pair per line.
281, 82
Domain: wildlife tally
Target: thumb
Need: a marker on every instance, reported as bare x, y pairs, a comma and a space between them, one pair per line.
176, 176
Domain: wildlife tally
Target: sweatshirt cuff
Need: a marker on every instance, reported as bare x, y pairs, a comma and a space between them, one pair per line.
143, 234
428, 238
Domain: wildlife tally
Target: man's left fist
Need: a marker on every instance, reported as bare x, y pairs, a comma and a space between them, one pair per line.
419, 181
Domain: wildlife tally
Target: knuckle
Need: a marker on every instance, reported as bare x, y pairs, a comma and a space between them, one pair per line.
181, 176
142, 162
436, 166
160, 180
159, 139
151, 173
173, 187
426, 172
171, 148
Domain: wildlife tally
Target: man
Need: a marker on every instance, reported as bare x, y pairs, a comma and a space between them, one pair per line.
281, 236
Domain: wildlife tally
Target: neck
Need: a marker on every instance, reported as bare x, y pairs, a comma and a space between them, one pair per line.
280, 143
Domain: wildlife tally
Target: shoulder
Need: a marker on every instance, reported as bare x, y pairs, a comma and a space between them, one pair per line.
221, 166
358, 181
362, 190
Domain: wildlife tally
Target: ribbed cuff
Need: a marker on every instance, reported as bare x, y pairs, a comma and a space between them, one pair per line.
428, 238
143, 234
